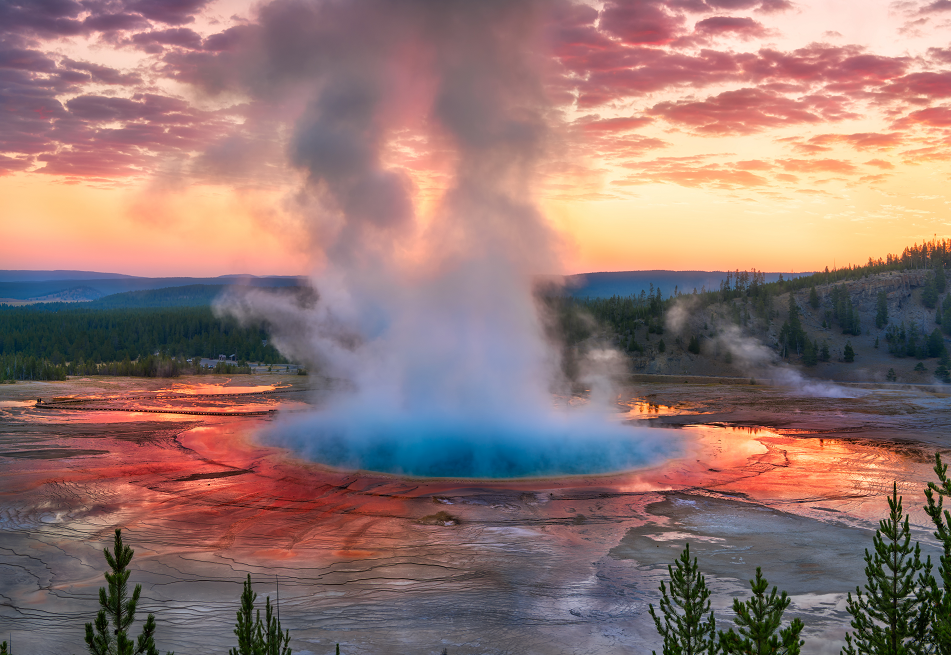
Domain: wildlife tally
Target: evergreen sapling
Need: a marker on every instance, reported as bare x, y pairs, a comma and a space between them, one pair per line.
757, 622
685, 628
119, 610
892, 616
257, 637
940, 597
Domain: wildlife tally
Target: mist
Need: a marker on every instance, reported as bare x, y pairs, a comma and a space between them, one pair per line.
426, 320
753, 357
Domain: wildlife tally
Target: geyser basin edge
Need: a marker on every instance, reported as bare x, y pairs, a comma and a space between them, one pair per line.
444, 446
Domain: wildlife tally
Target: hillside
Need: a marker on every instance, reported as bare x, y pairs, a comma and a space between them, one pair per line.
18, 287
632, 283
742, 334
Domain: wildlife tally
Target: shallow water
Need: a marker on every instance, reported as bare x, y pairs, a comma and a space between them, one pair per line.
544, 565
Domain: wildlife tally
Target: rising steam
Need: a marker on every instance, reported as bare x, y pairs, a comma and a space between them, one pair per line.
750, 355
428, 320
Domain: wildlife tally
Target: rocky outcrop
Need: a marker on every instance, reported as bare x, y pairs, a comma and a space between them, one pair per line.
897, 285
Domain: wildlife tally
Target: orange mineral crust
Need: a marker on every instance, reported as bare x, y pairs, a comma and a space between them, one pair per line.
384, 563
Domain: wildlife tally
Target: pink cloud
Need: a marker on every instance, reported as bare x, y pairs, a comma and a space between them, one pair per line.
643, 22
742, 27
926, 84
692, 172
860, 140
931, 117
621, 124
749, 110
936, 6
102, 74
171, 12
753, 165
181, 37
817, 166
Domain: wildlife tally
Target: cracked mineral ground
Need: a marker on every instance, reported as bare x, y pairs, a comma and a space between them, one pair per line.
764, 476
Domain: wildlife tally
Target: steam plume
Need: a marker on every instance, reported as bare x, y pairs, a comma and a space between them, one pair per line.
431, 322
751, 355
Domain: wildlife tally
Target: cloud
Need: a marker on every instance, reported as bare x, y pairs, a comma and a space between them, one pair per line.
12, 165
930, 117
691, 172
935, 7
642, 23
28, 60
716, 27
59, 18
817, 166
928, 85
749, 110
595, 124
102, 74
181, 37
171, 12
825, 64
606, 62
860, 140
880, 163
753, 165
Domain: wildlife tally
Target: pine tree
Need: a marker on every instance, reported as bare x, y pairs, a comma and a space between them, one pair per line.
892, 617
848, 355
3, 649
935, 343
943, 370
694, 345
810, 353
683, 605
119, 610
758, 620
256, 637
813, 297
881, 314
940, 598
929, 293
245, 628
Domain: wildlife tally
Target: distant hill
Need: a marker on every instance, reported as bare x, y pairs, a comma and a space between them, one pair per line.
631, 283
53, 290
73, 294
45, 276
193, 295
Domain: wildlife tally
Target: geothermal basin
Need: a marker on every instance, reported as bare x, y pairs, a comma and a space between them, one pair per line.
388, 562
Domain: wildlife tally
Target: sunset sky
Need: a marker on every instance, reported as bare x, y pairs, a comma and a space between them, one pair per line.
690, 134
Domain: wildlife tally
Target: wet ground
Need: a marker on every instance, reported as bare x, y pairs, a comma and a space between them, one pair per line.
764, 476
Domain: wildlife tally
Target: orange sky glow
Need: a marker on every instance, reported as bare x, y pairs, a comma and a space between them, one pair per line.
684, 134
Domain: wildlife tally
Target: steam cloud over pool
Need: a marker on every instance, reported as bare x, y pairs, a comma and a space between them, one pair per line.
425, 303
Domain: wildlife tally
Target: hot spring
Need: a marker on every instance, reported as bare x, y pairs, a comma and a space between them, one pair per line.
440, 445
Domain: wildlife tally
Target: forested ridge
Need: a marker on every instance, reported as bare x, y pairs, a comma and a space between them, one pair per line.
52, 340
747, 301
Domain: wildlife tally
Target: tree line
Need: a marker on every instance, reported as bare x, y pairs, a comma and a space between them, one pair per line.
747, 296
48, 342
